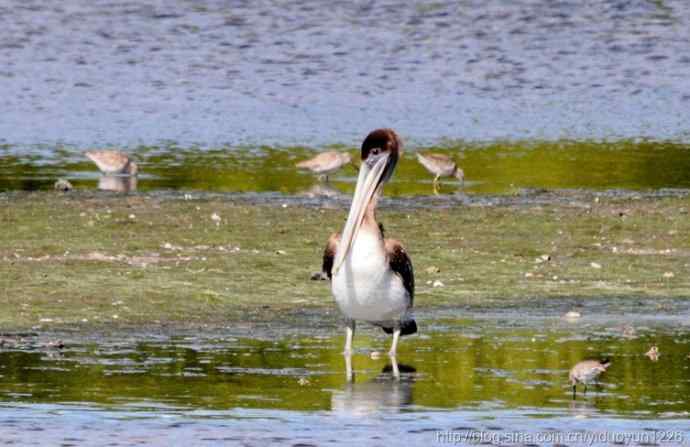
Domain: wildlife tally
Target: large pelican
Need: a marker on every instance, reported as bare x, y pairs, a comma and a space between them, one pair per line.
371, 277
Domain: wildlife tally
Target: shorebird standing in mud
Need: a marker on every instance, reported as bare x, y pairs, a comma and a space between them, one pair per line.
440, 165
586, 372
325, 163
113, 162
371, 277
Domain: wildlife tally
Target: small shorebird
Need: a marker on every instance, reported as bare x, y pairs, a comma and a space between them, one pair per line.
325, 163
63, 185
653, 353
113, 162
440, 165
371, 277
586, 372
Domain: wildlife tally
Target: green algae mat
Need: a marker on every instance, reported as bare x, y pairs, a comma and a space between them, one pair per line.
97, 259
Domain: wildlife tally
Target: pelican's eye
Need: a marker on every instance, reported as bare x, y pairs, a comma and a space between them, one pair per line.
375, 151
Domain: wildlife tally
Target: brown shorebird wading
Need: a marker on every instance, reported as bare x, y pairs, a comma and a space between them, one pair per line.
371, 277
653, 353
325, 163
440, 165
113, 162
586, 372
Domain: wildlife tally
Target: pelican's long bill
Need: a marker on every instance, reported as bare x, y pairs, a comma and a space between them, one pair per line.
367, 183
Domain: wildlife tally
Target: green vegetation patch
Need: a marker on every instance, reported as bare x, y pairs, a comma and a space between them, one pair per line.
100, 260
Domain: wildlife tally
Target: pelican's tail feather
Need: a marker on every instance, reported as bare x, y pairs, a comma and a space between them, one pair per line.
407, 327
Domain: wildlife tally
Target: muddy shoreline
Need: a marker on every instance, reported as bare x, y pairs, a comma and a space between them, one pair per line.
526, 197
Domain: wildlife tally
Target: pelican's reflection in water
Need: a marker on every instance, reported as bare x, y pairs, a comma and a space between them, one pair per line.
390, 390
117, 183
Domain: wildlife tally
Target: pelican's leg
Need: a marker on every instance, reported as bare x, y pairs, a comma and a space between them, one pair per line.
436, 184
574, 391
394, 367
394, 345
349, 375
349, 334
585, 392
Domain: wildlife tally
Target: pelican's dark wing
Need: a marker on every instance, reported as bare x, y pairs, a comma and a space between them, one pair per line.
329, 254
401, 264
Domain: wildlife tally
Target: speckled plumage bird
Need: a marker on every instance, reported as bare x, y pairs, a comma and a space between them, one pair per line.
113, 162
440, 165
325, 163
586, 372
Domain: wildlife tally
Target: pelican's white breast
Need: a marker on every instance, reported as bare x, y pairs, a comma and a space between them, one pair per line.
365, 288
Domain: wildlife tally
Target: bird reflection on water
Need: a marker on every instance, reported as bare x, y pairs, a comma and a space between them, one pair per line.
389, 390
117, 183
322, 190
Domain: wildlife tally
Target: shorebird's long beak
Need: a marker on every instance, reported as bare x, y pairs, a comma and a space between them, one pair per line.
367, 183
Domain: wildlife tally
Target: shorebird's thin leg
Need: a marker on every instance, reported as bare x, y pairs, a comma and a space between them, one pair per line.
394, 367
574, 391
349, 334
585, 392
394, 345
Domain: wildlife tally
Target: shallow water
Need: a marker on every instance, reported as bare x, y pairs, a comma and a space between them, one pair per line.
498, 375
497, 168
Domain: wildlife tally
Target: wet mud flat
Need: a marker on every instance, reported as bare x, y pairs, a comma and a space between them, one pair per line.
86, 259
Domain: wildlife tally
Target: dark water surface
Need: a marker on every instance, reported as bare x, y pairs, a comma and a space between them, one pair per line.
500, 374
299, 72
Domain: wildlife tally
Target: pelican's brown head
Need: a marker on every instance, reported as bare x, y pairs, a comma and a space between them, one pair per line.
378, 144
380, 152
